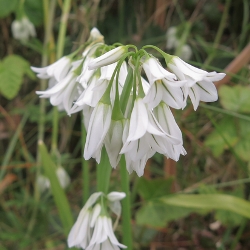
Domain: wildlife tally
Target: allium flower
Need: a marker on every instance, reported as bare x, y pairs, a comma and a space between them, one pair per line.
167, 122
113, 141
95, 88
103, 235
164, 86
199, 85
80, 233
93, 228
63, 177
108, 58
145, 137
57, 70
43, 182
64, 91
23, 29
98, 127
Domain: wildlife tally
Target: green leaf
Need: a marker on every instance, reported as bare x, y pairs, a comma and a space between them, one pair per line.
235, 98
216, 140
34, 11
150, 189
157, 214
210, 201
57, 191
237, 135
12, 70
7, 7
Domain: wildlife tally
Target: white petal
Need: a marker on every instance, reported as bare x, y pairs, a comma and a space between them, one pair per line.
208, 91
98, 127
96, 213
139, 120
108, 58
116, 196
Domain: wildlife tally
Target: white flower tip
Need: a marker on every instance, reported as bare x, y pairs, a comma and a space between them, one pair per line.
95, 34
116, 196
108, 58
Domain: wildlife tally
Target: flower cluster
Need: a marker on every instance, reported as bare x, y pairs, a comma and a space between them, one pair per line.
93, 227
126, 96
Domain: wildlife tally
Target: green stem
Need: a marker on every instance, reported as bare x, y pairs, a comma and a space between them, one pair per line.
62, 29
103, 173
12, 145
238, 234
85, 167
219, 33
126, 206
59, 54
49, 10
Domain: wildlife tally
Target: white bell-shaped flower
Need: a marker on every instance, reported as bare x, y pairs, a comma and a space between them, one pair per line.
97, 129
65, 91
93, 227
58, 69
108, 58
164, 86
199, 85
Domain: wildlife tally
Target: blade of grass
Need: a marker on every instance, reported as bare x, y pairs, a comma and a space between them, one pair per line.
61, 201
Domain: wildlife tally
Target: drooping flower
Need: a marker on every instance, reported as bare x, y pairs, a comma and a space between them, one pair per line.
63, 177
113, 141
103, 235
145, 137
97, 129
57, 70
23, 29
167, 122
80, 233
64, 92
199, 85
164, 86
110, 57
93, 228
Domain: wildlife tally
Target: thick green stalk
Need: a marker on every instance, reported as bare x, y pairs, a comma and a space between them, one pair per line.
126, 206
59, 54
103, 173
85, 167
48, 10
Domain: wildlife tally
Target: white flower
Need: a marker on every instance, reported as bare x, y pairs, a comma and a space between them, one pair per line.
58, 69
108, 58
42, 183
93, 228
113, 141
95, 89
103, 235
95, 35
145, 137
163, 85
64, 92
186, 52
200, 85
23, 29
97, 129
171, 38
166, 119
80, 233
63, 177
